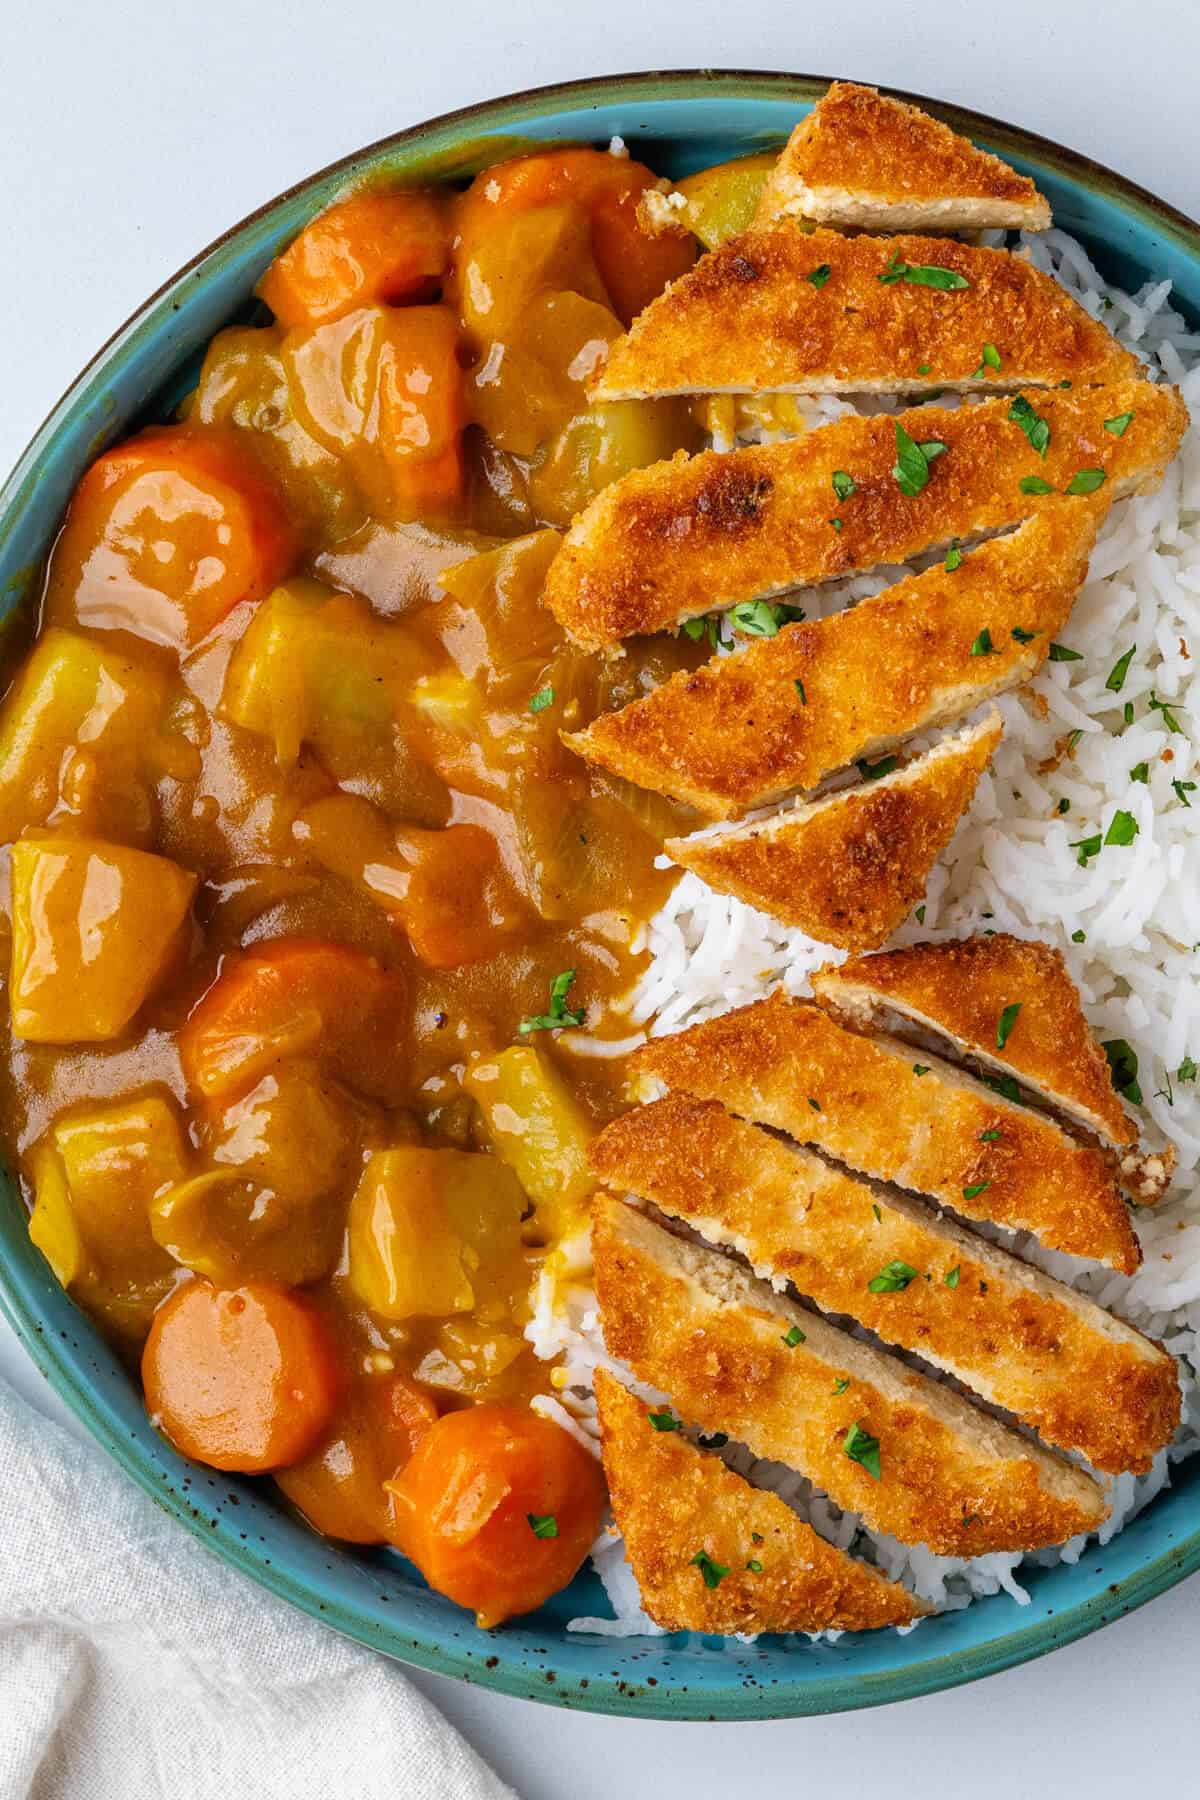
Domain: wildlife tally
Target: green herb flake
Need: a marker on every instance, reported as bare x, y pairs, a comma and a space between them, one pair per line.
1119, 670
1022, 636
1123, 1066
820, 275
1064, 805
543, 1525
876, 1211
990, 360
840, 1386
922, 368
983, 645
836, 523
815, 1104
756, 1537
1120, 424
1007, 1020
1182, 790
872, 771
1186, 1070
953, 557
794, 1336
928, 275
921, 1068
1033, 484
911, 467
695, 629
863, 1449
1140, 772
844, 484
920, 914
799, 687
1167, 710
1086, 481
893, 1278
762, 618
1087, 848
1036, 429
1127, 712
952, 1277
1005, 1086
541, 700
976, 1188
1079, 937
714, 1573
1064, 653
717, 1441
560, 1014
665, 1421
989, 1137
1123, 829
754, 1566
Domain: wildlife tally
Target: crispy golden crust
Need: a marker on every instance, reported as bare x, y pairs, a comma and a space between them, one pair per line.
746, 319
671, 1502
1087, 1381
962, 989
861, 158
735, 734
685, 537
696, 1325
786, 1063
849, 869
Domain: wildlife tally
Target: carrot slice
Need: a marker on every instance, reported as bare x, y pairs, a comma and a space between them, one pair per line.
297, 997
385, 247
240, 1378
168, 532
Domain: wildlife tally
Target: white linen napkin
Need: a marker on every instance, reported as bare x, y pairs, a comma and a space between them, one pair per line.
135, 1665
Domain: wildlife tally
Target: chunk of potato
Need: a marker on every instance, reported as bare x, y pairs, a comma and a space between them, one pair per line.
538, 1128
52, 1224
597, 447
432, 1232
722, 201
95, 927
115, 1159
103, 704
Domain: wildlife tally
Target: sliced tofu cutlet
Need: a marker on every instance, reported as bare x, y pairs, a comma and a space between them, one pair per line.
908, 1454
862, 158
849, 868
695, 535
920, 1123
1087, 1381
960, 997
711, 1553
785, 711
749, 318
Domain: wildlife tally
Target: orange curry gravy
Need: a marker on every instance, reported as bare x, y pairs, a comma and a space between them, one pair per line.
304, 885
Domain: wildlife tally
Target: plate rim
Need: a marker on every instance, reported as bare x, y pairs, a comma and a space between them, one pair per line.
738, 1701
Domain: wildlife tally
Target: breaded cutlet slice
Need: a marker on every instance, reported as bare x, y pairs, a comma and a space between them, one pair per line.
750, 318
955, 995
849, 868
782, 713
908, 1454
1087, 1381
862, 158
918, 1122
678, 539
711, 1553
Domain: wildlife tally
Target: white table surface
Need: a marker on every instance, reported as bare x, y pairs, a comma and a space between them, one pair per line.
132, 134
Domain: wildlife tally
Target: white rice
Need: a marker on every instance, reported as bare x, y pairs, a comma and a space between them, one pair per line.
1012, 867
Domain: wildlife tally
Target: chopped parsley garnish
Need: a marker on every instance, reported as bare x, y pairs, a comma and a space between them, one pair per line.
714, 1573
754, 1566
794, 1336
923, 275
1064, 805
1140, 772
1127, 712
983, 1287
922, 368
863, 1449
911, 467
1022, 636
840, 1386
820, 275
1119, 425
665, 1421
991, 360
1182, 790
1033, 484
560, 1013
1186, 1070
871, 771
695, 629
1079, 937
543, 1525
541, 700
756, 1537
1120, 669
1123, 830
717, 1441
921, 1068
983, 645
836, 523
1123, 1066
976, 1188
763, 618
953, 557
1036, 429
815, 1104
989, 1137
1087, 848
1086, 481
1167, 711
893, 1278
921, 913
1007, 1020
843, 484
1064, 653
876, 1211
799, 687
951, 1279
1005, 1086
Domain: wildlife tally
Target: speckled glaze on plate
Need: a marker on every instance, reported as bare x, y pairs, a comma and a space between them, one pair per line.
678, 122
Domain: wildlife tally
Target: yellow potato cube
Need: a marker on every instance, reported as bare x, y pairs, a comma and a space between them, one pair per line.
116, 1158
52, 1223
94, 928
538, 1128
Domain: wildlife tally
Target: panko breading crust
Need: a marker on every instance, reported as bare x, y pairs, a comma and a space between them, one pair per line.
736, 733
737, 1357
692, 535
1087, 1381
747, 319
788, 1064
848, 869
671, 1503
862, 158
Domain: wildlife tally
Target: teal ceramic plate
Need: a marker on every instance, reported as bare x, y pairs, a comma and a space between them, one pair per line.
678, 122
